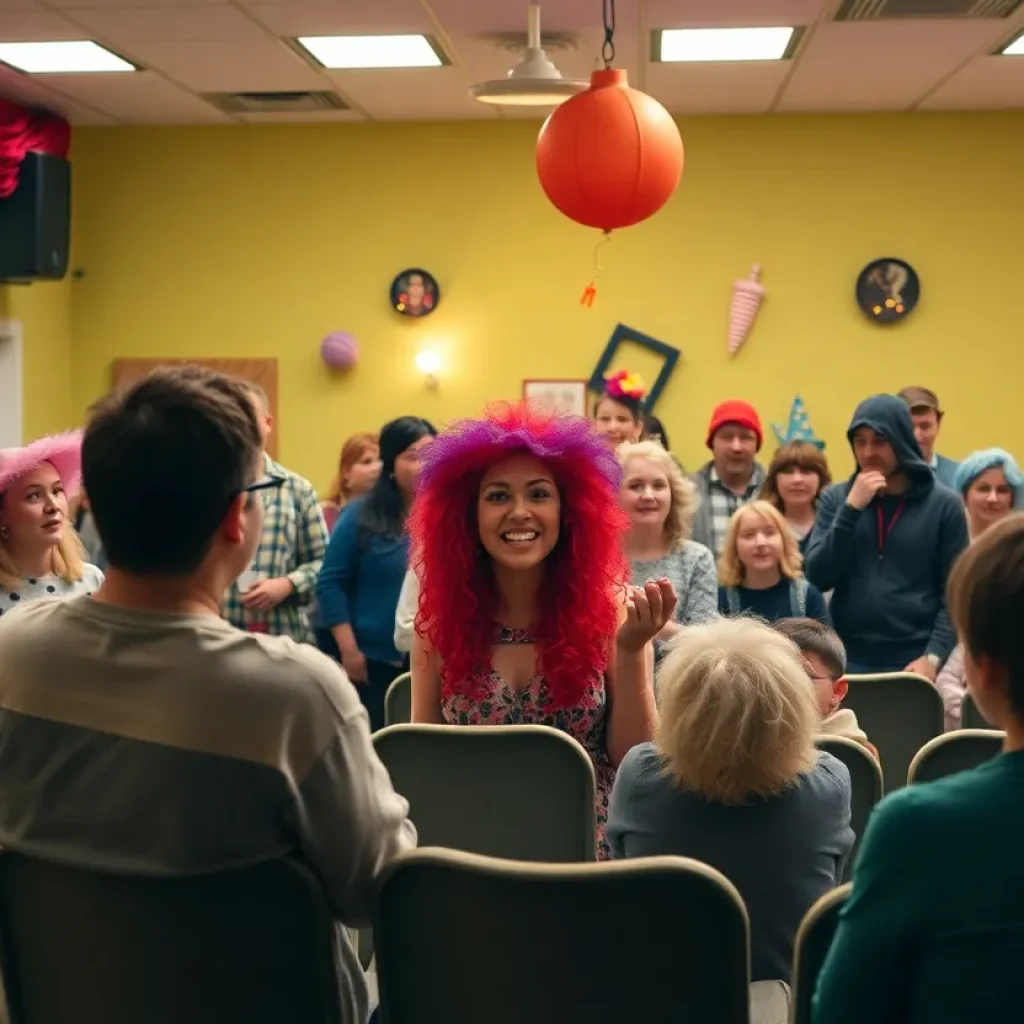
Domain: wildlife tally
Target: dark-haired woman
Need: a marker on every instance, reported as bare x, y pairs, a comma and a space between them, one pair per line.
365, 564
796, 477
618, 413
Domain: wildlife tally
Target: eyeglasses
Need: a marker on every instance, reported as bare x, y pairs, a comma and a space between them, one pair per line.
265, 484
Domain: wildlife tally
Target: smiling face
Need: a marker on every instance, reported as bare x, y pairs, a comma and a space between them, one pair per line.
645, 493
758, 542
988, 499
518, 512
615, 422
34, 511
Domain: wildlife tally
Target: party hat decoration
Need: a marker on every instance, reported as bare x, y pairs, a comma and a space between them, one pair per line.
799, 426
747, 296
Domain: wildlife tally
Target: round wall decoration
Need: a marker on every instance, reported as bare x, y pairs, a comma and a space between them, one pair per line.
888, 290
415, 293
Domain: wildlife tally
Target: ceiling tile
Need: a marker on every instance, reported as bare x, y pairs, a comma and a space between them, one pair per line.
33, 92
746, 88
311, 18
170, 24
313, 117
482, 16
881, 66
76, 5
20, 5
411, 93
728, 13
36, 26
987, 83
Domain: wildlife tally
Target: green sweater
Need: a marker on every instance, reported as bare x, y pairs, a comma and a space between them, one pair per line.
933, 932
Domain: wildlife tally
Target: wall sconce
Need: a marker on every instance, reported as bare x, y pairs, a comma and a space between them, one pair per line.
428, 362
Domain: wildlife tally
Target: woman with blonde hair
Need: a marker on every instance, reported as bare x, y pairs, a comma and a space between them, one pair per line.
760, 569
40, 554
733, 779
661, 504
796, 477
358, 469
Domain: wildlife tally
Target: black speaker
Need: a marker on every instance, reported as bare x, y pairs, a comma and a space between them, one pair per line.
35, 221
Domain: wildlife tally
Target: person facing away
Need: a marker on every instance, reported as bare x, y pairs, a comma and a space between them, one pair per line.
927, 415
760, 570
733, 476
733, 779
140, 732
272, 595
824, 658
884, 542
933, 930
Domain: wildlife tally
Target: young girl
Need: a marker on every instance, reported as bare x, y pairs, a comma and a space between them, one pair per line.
760, 569
797, 475
40, 554
618, 414
358, 470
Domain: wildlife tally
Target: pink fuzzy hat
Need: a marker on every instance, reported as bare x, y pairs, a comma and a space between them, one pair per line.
63, 451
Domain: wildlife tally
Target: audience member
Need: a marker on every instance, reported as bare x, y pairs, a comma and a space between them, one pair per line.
760, 570
40, 555
358, 470
797, 475
927, 416
405, 612
85, 527
732, 477
654, 430
618, 413
934, 928
358, 589
991, 486
517, 542
270, 597
884, 542
733, 779
825, 660
142, 733
661, 503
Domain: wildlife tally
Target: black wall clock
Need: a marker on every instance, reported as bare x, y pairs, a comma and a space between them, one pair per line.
415, 293
888, 290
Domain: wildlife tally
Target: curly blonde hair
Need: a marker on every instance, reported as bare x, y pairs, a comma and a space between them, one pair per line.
738, 713
685, 499
730, 568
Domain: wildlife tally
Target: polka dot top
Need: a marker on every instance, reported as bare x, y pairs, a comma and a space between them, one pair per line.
49, 586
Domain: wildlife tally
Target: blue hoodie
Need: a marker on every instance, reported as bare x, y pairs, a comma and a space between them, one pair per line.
889, 598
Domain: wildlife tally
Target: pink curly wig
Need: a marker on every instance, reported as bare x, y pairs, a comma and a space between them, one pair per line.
458, 600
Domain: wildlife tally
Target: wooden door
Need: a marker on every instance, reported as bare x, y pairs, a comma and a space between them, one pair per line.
259, 371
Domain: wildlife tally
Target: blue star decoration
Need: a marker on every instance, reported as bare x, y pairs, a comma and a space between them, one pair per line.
799, 426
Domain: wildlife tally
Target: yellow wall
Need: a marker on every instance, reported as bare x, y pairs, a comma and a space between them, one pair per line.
258, 241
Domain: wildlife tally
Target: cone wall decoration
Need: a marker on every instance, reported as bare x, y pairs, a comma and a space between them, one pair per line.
747, 296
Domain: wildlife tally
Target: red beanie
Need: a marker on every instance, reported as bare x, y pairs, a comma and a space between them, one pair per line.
735, 411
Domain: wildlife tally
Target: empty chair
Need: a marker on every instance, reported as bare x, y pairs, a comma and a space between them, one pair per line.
813, 942
955, 752
520, 791
465, 939
970, 716
900, 712
87, 947
866, 783
398, 700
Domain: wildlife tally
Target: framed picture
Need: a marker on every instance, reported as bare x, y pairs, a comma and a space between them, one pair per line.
561, 396
888, 290
415, 293
669, 355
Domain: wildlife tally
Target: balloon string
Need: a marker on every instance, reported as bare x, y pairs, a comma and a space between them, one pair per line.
590, 292
608, 19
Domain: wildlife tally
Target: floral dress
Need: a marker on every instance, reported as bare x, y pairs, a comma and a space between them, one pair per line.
499, 704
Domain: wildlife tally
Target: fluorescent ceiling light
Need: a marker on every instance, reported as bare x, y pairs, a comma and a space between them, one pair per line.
1014, 48
723, 44
372, 51
64, 58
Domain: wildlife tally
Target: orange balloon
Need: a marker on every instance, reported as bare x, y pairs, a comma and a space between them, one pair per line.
610, 156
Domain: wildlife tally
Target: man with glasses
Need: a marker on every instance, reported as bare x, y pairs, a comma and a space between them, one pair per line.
140, 733
272, 595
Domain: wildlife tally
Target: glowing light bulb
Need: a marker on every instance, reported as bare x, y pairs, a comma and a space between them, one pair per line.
428, 362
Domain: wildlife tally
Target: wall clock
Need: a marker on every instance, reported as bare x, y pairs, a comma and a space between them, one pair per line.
888, 290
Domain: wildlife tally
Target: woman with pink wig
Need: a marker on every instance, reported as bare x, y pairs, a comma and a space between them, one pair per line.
525, 614
40, 554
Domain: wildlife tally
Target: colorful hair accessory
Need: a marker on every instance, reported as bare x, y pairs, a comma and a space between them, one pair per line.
586, 569
624, 384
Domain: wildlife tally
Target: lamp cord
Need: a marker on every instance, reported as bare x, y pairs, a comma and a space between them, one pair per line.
608, 20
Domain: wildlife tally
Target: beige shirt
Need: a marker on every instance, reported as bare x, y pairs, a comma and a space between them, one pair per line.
843, 722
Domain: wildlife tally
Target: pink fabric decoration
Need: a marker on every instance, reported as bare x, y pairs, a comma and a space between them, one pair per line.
63, 451
747, 296
22, 131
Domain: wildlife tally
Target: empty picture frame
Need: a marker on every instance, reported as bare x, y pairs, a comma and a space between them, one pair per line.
621, 334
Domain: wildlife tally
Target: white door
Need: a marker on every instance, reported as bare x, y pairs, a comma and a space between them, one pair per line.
10, 383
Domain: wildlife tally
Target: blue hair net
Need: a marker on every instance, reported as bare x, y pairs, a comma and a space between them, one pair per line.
990, 458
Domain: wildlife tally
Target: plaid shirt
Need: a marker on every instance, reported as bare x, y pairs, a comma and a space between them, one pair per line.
293, 544
724, 503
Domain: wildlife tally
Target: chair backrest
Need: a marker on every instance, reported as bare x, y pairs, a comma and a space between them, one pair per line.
970, 715
398, 700
900, 712
653, 939
813, 941
255, 944
525, 792
955, 752
866, 783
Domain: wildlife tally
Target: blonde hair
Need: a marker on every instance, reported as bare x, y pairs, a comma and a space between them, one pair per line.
68, 561
685, 499
738, 713
730, 568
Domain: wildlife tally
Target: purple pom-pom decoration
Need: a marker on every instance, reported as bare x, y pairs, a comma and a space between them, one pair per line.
339, 350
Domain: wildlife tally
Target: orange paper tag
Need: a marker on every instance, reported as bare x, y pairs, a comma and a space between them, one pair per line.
588, 296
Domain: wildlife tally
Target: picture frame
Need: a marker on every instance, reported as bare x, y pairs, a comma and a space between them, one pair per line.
887, 290
414, 293
669, 354
566, 396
